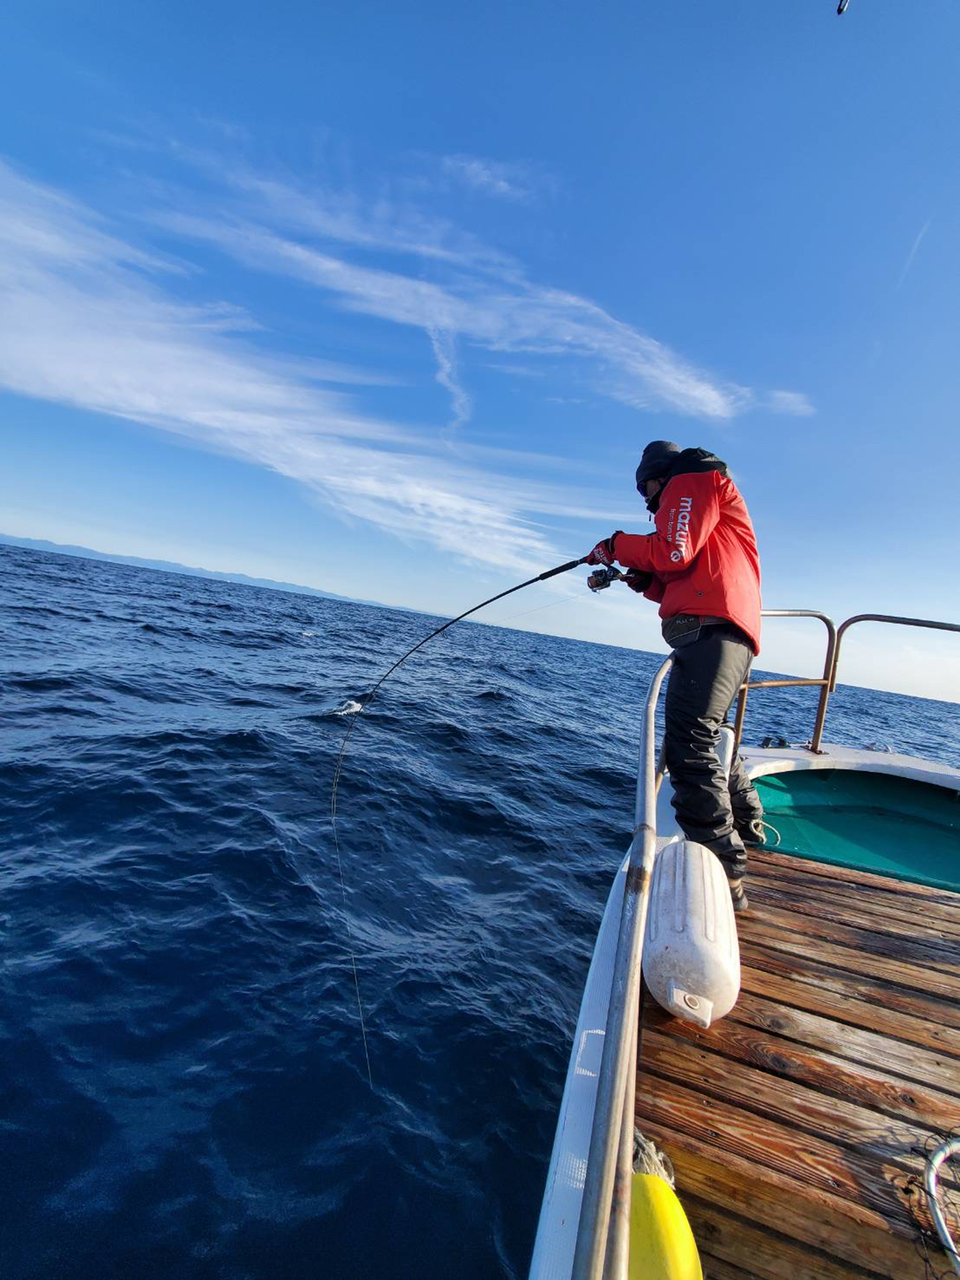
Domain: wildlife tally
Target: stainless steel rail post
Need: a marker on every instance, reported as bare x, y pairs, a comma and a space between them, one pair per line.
945, 1151
617, 1261
824, 681
615, 1087
881, 617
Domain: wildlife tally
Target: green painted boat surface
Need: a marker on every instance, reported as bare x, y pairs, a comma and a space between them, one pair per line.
869, 821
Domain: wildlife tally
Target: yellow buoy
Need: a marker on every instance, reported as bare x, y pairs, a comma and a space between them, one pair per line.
662, 1246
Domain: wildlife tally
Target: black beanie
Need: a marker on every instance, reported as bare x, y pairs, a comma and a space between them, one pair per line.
656, 460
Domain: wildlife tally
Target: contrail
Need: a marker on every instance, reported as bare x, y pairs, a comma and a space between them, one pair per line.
443, 349
913, 252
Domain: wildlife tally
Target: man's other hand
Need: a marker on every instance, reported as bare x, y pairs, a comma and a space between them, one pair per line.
637, 579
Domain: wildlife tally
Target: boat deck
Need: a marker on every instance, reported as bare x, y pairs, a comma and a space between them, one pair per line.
798, 1125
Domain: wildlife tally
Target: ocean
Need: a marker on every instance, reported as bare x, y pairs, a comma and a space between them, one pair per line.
182, 1071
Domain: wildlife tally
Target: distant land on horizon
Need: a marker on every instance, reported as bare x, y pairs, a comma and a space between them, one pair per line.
171, 566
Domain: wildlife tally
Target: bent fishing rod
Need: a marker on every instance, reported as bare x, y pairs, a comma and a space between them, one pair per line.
541, 577
365, 702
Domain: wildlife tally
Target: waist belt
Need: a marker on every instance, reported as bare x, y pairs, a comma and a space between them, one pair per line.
684, 628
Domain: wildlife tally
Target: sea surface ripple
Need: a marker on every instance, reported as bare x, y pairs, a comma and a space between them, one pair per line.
182, 1074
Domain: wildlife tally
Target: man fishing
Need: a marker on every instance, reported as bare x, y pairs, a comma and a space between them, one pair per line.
701, 565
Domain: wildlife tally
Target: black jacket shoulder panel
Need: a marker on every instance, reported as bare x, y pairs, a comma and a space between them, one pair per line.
693, 460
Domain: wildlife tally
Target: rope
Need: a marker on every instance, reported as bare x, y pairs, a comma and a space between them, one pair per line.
648, 1158
767, 826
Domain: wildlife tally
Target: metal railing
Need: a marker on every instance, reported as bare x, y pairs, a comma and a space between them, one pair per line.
946, 1151
829, 669
828, 681
605, 1208
883, 617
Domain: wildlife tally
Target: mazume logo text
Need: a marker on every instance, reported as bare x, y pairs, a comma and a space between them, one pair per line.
682, 535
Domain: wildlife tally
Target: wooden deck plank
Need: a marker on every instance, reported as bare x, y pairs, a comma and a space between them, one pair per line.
813, 1162
869, 881
786, 1101
864, 1085
771, 1256
884, 906
919, 932
922, 953
717, 1269
808, 971
781, 935
818, 999
858, 1044
798, 1124
775, 1201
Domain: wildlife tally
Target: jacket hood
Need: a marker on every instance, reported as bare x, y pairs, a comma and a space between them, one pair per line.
696, 460
688, 460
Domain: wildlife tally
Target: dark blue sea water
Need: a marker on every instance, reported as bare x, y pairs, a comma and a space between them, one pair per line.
183, 1091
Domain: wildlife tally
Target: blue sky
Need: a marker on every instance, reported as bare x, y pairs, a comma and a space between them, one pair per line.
387, 299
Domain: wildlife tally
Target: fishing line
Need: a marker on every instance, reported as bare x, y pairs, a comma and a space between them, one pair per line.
552, 604
365, 702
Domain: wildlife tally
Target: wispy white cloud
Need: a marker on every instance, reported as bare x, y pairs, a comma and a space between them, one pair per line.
477, 293
502, 312
794, 403
492, 177
386, 223
89, 319
83, 323
516, 370
444, 350
39, 225
913, 251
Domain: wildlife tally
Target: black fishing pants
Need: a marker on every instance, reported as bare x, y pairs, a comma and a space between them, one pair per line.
704, 681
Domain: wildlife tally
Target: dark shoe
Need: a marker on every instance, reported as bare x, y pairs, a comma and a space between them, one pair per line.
737, 895
733, 856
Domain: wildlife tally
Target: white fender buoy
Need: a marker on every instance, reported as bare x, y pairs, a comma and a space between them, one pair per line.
691, 956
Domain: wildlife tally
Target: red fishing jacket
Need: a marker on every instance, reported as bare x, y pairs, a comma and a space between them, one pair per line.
703, 554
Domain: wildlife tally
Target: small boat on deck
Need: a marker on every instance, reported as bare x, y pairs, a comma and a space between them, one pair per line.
808, 1126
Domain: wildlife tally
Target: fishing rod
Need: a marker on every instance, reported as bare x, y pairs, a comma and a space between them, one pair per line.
365, 702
